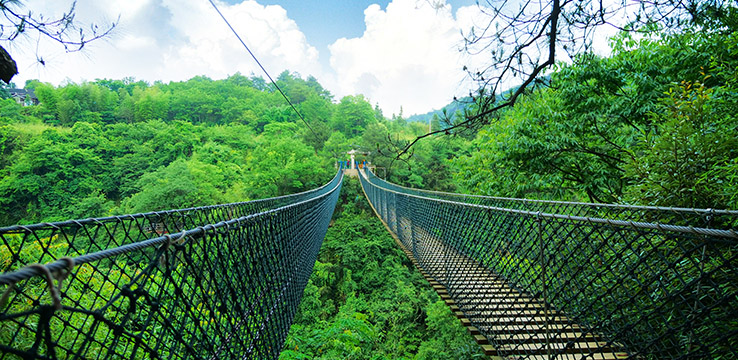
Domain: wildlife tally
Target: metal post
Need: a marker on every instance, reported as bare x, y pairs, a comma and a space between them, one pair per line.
544, 290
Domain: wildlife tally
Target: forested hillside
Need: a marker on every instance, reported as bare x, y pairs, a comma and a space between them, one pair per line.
122, 146
653, 124
119, 146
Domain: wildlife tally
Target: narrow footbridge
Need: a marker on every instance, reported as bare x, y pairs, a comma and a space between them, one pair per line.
530, 279
562, 280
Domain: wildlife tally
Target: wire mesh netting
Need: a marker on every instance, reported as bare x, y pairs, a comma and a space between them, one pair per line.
707, 218
211, 282
631, 282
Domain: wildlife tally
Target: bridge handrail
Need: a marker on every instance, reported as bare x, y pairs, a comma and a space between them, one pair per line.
95, 234
728, 233
25, 273
706, 216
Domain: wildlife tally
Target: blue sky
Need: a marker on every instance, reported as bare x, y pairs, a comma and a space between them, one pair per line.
325, 21
399, 54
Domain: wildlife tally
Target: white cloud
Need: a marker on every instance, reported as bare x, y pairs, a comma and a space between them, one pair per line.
131, 43
172, 40
408, 56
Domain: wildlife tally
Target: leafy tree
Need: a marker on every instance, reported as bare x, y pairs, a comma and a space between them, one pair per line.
9, 111
296, 89
126, 108
283, 165
316, 135
445, 339
363, 300
352, 115
688, 159
181, 184
52, 173
509, 157
523, 40
337, 146
150, 104
575, 139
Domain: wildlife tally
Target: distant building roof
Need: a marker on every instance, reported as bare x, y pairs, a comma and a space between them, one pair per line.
22, 92
23, 96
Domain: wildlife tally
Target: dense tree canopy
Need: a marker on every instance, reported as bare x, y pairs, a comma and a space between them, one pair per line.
118, 146
364, 300
520, 42
652, 124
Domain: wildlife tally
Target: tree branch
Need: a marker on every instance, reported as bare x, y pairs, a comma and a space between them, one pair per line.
63, 30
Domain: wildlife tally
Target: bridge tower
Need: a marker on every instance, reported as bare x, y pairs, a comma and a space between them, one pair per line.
353, 166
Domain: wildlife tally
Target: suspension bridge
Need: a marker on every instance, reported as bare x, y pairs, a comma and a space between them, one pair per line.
530, 279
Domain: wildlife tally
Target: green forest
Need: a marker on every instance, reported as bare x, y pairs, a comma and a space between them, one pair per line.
121, 146
652, 124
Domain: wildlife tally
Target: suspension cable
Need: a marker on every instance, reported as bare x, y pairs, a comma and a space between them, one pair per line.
261, 66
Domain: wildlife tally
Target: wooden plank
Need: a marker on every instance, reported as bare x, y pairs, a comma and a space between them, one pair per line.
494, 293
607, 356
555, 347
481, 339
495, 313
541, 337
489, 350
522, 320
504, 305
530, 328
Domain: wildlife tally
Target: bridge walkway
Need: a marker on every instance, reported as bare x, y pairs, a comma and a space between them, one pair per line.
517, 323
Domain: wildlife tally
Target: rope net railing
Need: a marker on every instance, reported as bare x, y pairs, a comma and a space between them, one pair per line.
552, 285
200, 283
706, 218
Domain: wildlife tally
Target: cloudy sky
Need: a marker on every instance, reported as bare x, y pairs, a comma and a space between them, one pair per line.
396, 53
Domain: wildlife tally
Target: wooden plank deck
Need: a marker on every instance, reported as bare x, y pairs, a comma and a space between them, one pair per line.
509, 324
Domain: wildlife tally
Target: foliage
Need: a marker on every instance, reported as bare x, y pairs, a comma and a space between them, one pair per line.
654, 124
688, 159
651, 124
114, 146
122, 146
181, 184
364, 301
522, 42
